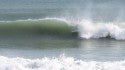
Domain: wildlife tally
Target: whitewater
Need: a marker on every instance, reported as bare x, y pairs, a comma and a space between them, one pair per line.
61, 63
88, 29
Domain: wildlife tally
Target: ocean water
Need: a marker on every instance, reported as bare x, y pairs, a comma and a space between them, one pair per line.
62, 35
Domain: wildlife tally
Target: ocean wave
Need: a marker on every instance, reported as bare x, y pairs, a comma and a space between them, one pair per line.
85, 29
60, 63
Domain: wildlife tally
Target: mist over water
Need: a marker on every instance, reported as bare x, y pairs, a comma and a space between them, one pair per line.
95, 10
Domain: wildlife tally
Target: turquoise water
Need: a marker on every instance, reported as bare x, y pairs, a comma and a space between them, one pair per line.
62, 35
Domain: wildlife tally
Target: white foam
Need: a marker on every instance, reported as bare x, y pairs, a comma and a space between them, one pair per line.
61, 63
88, 29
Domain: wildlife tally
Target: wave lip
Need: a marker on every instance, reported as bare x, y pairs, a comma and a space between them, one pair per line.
61, 63
89, 30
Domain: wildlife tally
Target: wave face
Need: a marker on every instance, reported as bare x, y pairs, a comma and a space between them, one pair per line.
49, 26
61, 63
88, 29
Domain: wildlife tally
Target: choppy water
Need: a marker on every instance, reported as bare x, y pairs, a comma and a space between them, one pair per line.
62, 35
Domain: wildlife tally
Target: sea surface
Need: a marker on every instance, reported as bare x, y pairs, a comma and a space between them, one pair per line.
62, 35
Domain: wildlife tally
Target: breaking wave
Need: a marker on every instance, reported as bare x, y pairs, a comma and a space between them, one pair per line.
61, 63
88, 29
85, 29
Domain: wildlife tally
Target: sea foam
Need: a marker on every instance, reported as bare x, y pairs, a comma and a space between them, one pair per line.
88, 29
60, 63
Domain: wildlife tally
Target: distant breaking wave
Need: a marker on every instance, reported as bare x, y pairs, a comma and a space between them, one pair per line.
61, 63
85, 29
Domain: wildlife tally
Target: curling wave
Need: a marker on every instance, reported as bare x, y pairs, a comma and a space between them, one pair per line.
62, 27
61, 63
49, 26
